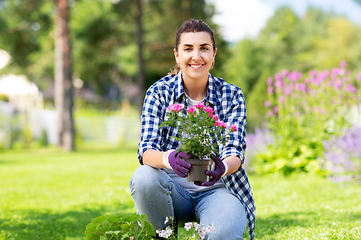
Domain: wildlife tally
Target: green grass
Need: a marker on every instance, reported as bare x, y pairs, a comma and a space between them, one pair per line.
49, 194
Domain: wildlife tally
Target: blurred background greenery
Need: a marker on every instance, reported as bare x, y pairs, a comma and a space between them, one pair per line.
109, 82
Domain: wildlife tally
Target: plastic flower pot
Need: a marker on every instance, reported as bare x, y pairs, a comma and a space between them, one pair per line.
198, 170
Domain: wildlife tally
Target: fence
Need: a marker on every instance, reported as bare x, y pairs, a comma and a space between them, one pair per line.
106, 129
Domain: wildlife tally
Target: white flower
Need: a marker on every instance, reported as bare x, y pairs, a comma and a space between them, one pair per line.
165, 233
188, 226
166, 220
196, 226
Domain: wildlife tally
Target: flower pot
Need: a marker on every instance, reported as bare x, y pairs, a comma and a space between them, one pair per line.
198, 170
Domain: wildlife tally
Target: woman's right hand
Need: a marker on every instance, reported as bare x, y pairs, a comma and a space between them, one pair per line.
179, 166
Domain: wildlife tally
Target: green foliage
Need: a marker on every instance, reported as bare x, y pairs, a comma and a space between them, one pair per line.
291, 158
317, 41
4, 98
117, 227
43, 140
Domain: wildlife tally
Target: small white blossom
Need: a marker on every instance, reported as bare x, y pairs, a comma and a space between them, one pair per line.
166, 220
196, 226
188, 226
165, 233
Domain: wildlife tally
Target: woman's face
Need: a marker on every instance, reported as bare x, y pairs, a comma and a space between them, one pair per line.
195, 55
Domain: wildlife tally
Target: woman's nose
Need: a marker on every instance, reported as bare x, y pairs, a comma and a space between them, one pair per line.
196, 55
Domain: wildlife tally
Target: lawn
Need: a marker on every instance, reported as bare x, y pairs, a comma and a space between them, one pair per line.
49, 194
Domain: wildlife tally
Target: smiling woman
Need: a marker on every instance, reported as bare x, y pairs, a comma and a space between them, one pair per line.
159, 187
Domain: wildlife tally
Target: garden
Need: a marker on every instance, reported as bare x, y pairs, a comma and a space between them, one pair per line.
303, 155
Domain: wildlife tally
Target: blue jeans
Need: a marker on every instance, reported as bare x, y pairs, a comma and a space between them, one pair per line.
156, 195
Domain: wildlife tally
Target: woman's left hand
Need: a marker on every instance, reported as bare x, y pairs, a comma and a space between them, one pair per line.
216, 174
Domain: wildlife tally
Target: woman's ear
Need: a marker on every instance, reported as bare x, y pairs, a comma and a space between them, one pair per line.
175, 55
215, 52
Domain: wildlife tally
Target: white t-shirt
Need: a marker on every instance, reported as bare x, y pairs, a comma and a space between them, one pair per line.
190, 186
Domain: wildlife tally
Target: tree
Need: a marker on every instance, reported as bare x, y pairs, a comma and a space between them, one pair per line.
63, 78
141, 68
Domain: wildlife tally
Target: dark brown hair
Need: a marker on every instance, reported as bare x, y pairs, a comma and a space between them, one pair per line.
192, 26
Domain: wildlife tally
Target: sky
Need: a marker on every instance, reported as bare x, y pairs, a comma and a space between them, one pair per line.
245, 18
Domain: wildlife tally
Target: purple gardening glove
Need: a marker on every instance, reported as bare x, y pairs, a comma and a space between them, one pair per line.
179, 166
216, 174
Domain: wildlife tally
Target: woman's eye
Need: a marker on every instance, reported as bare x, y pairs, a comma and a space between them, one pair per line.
187, 49
204, 48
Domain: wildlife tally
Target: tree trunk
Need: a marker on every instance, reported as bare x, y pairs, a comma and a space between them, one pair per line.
141, 67
63, 78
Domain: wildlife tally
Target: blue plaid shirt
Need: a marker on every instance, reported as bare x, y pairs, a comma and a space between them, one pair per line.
228, 102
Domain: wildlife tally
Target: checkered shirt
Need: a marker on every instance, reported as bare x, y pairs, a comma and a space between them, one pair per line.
228, 102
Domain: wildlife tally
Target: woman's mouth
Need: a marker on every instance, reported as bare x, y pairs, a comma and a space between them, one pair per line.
195, 66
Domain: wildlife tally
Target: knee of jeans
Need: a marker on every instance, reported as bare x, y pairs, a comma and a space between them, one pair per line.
144, 178
227, 232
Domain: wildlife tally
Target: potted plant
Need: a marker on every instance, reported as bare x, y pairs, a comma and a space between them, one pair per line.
200, 134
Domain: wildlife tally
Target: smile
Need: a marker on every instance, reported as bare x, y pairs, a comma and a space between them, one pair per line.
195, 66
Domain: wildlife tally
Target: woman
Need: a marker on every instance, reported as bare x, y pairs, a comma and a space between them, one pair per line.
159, 187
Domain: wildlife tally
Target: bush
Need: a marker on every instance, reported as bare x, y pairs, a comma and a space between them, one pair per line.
119, 227
4, 98
302, 113
43, 140
342, 156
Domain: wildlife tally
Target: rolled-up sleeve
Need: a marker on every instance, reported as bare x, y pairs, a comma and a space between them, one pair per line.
151, 119
236, 114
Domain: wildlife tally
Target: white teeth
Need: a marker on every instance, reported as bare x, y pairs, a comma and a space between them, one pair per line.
196, 66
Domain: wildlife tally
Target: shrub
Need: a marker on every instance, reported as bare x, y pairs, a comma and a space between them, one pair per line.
43, 140
302, 113
342, 156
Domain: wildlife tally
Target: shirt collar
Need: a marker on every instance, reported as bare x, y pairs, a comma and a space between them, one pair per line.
213, 89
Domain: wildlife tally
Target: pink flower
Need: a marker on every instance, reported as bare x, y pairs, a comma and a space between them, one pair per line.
313, 73
269, 81
233, 128
220, 124
338, 85
303, 87
278, 76
343, 64
191, 110
269, 114
359, 76
175, 107
209, 110
279, 83
270, 90
281, 99
267, 103
215, 118
284, 73
351, 88
275, 109
200, 105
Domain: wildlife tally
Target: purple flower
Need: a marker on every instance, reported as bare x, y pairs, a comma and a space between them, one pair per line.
270, 90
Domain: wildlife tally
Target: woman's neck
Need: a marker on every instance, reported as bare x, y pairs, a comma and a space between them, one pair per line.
195, 89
